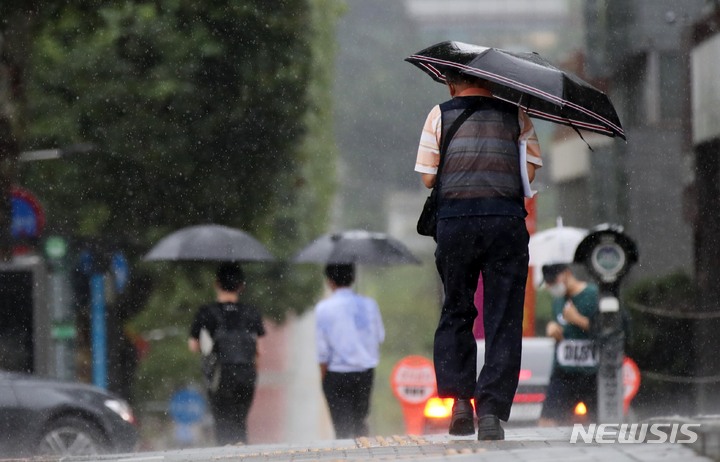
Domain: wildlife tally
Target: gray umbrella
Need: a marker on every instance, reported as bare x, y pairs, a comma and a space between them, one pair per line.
359, 247
208, 243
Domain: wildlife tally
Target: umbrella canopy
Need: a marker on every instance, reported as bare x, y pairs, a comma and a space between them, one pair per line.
208, 243
554, 245
358, 247
528, 81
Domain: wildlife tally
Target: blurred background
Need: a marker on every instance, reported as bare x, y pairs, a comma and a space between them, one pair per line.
123, 121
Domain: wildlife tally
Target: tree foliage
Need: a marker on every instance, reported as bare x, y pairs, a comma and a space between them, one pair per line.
200, 112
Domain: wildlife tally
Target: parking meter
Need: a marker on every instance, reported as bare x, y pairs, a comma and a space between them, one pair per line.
608, 254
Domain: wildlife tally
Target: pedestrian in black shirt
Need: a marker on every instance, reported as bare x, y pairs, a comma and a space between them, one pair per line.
232, 371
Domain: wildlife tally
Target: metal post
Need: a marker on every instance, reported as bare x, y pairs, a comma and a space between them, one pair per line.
98, 330
611, 342
608, 255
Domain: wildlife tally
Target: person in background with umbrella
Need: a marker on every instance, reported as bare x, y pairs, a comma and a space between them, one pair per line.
481, 230
234, 328
349, 331
574, 374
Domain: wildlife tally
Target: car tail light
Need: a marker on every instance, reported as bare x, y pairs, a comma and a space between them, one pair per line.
525, 374
580, 409
440, 408
529, 398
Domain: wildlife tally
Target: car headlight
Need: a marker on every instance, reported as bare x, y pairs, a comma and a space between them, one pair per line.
121, 408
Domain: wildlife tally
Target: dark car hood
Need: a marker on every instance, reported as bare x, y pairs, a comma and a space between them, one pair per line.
24, 384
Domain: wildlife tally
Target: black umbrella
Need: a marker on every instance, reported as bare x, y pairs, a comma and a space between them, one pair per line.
358, 247
528, 81
209, 243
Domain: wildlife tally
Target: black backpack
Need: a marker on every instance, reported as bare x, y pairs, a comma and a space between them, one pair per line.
235, 345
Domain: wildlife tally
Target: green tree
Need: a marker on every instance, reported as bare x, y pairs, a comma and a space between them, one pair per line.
200, 112
207, 112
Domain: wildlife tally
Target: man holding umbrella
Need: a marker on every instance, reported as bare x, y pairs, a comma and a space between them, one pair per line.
481, 230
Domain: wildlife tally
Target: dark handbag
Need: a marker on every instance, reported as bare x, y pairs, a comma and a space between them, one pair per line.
427, 223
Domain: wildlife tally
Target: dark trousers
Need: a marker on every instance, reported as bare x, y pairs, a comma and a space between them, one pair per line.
497, 247
565, 390
348, 397
231, 402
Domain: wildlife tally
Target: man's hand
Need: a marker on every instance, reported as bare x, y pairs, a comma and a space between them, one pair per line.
323, 370
573, 316
531, 171
428, 179
193, 345
554, 330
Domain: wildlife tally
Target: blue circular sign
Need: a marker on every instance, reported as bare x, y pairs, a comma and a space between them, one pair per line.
187, 406
28, 218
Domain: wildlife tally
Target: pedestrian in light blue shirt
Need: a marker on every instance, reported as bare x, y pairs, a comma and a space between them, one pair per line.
349, 332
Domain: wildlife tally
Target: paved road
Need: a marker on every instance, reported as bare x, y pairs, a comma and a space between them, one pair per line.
530, 444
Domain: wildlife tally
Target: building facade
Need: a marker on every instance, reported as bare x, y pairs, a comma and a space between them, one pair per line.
705, 56
638, 51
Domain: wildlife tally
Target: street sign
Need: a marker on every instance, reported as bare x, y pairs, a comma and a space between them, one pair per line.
413, 380
120, 270
28, 217
413, 383
86, 262
187, 406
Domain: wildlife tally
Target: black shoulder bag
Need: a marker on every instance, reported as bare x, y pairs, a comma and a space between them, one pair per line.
427, 223
233, 345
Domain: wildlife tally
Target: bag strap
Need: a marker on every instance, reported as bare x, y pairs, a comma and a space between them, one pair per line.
449, 136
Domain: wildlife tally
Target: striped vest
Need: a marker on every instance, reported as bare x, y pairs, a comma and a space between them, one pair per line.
481, 168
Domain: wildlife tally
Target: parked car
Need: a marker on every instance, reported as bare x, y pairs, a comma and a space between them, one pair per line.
47, 417
536, 366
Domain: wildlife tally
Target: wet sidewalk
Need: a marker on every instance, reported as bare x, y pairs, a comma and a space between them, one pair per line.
520, 445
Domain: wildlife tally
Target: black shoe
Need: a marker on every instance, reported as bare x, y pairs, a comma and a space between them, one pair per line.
489, 428
461, 422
